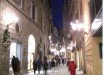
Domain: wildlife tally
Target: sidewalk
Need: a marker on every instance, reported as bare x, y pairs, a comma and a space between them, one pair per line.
60, 70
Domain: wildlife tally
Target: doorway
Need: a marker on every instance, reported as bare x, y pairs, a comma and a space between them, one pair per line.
15, 50
31, 51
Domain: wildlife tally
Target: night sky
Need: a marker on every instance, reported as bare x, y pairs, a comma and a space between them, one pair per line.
57, 13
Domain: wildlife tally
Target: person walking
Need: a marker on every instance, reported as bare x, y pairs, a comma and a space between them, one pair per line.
63, 61
15, 65
34, 66
52, 63
68, 62
72, 67
39, 65
45, 65
59, 60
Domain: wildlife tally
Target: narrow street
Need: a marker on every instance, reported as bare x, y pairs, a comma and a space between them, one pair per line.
60, 70
45, 33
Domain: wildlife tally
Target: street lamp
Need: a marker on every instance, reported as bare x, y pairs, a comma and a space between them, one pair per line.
8, 19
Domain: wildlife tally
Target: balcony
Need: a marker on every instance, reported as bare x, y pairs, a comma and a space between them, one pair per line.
97, 24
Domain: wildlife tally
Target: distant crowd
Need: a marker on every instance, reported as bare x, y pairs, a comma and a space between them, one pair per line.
50, 63
38, 64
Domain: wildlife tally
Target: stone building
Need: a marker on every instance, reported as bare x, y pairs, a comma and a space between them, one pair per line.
31, 29
26, 25
88, 52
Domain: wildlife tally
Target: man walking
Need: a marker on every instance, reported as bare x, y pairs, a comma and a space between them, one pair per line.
15, 65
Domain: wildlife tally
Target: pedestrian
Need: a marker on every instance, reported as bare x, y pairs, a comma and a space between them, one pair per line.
39, 65
59, 60
63, 61
68, 62
53, 62
15, 65
49, 64
34, 66
45, 65
72, 67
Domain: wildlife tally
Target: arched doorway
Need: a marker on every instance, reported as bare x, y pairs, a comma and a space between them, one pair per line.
31, 51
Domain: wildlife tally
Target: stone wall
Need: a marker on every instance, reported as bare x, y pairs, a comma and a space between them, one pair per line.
97, 61
92, 61
27, 26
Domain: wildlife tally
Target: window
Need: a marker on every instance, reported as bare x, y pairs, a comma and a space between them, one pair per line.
33, 12
36, 14
19, 2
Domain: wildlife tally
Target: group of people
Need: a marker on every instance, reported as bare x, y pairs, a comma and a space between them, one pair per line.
38, 64
71, 66
58, 60
46, 64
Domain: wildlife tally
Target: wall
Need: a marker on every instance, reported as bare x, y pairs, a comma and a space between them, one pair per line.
97, 61
87, 38
89, 55
26, 27
92, 61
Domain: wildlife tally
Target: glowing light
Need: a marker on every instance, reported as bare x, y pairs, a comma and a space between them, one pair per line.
71, 23
9, 17
31, 44
77, 26
53, 50
49, 37
76, 21
62, 50
71, 44
70, 47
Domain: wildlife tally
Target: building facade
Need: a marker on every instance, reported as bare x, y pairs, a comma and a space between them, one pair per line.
88, 52
33, 24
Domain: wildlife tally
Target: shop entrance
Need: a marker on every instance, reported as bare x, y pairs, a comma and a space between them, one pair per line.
15, 50
31, 51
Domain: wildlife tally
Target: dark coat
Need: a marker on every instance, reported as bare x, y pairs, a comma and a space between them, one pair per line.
45, 65
53, 63
39, 64
15, 64
34, 65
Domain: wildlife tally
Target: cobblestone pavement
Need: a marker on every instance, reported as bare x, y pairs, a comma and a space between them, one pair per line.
60, 70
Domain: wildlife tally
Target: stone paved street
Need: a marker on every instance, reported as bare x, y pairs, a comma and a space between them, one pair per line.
60, 70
